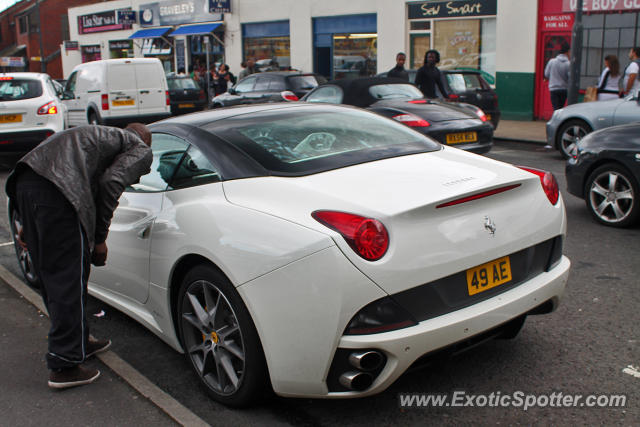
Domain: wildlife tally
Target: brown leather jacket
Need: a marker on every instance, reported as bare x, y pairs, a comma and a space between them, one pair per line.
91, 166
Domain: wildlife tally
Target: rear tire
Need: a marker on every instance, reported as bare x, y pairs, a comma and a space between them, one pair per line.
612, 195
220, 339
93, 118
569, 134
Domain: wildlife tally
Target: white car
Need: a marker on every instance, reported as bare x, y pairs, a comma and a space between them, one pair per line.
322, 250
30, 111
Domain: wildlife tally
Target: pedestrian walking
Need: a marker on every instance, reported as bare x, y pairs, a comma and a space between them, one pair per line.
557, 72
609, 79
65, 191
631, 83
428, 76
398, 71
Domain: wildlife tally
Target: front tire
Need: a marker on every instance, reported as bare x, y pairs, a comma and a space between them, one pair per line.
220, 339
612, 196
24, 258
569, 134
93, 118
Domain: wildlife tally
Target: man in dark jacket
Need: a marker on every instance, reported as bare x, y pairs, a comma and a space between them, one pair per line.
398, 71
428, 76
65, 191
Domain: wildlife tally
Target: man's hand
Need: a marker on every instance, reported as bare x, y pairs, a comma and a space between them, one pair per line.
99, 255
20, 239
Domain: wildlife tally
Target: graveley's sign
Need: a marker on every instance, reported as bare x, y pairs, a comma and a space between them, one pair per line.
451, 9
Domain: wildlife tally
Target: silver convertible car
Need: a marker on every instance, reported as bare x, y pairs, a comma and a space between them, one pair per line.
568, 125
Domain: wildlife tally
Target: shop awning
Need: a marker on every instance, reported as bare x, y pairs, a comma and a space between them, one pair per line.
192, 30
150, 33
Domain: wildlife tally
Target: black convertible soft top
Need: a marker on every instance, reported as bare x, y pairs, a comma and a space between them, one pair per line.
356, 91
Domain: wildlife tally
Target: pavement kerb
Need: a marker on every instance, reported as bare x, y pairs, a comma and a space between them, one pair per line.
174, 409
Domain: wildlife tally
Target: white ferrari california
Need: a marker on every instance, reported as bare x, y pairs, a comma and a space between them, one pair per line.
322, 250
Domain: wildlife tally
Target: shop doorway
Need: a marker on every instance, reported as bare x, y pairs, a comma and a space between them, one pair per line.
549, 47
323, 61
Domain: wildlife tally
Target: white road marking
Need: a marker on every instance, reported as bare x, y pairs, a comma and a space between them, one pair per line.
632, 370
6, 244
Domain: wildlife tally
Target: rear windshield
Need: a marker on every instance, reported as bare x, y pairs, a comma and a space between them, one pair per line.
305, 82
182, 84
464, 82
304, 140
395, 91
16, 89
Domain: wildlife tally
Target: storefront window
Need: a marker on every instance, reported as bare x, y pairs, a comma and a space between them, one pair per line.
354, 55
91, 53
121, 49
161, 49
420, 44
269, 53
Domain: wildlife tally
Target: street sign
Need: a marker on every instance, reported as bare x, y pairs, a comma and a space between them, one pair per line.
71, 45
219, 6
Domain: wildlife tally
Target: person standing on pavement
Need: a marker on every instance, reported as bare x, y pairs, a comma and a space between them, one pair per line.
249, 69
65, 191
557, 72
608, 83
428, 76
631, 83
398, 71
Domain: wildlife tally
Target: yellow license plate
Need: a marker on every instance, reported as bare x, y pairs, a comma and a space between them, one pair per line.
121, 102
186, 105
459, 138
489, 275
10, 118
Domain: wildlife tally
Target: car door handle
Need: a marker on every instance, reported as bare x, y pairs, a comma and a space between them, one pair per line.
144, 91
145, 231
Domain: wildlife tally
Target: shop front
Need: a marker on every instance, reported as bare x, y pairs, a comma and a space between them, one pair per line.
121, 49
268, 44
154, 43
463, 32
610, 28
91, 53
345, 46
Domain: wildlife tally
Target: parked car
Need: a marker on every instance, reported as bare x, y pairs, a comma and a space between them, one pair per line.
185, 94
569, 125
465, 127
117, 92
467, 86
323, 249
30, 111
605, 172
276, 86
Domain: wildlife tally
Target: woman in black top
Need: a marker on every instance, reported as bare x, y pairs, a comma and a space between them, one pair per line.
428, 75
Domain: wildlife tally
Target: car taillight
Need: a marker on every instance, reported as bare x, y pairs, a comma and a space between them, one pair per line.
167, 99
548, 182
5, 78
48, 108
105, 101
481, 115
417, 101
289, 96
411, 120
201, 95
454, 96
368, 237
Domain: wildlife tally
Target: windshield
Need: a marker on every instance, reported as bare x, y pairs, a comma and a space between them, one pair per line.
182, 84
16, 89
308, 140
395, 91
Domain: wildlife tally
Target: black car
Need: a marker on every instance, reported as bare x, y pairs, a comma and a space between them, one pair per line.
277, 86
605, 172
466, 86
447, 123
185, 95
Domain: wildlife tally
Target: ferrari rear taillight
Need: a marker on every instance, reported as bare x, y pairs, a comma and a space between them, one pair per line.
368, 237
48, 108
548, 182
411, 120
105, 101
287, 95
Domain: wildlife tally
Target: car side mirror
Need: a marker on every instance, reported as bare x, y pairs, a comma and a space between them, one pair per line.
231, 91
67, 94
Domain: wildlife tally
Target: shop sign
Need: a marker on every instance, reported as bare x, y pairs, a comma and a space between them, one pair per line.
452, 9
12, 61
176, 12
120, 45
99, 22
91, 49
180, 55
601, 5
155, 47
219, 6
561, 22
127, 16
71, 45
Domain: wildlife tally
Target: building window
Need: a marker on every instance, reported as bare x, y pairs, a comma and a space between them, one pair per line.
354, 55
23, 24
268, 44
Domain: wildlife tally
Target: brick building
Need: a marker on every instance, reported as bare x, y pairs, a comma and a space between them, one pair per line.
31, 30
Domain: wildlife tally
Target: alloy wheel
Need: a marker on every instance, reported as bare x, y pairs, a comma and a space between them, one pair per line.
24, 258
611, 197
570, 138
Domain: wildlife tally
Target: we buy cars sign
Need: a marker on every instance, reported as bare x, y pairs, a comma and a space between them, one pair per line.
601, 5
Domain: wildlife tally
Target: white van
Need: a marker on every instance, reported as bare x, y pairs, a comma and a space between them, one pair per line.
117, 92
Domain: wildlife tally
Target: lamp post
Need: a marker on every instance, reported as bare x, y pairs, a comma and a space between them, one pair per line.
576, 57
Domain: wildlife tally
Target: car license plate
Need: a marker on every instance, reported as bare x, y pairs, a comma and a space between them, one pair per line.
459, 138
489, 275
122, 102
10, 118
186, 105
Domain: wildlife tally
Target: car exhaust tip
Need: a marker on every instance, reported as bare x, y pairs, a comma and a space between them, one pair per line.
356, 381
365, 360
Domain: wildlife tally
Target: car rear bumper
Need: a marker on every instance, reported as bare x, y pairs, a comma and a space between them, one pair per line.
182, 107
440, 131
24, 141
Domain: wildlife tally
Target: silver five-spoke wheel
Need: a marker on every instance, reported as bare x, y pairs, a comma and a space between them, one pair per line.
570, 135
612, 196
